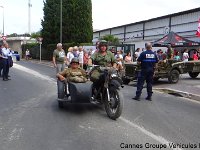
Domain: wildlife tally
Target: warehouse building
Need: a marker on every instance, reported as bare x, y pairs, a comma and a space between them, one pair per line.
183, 23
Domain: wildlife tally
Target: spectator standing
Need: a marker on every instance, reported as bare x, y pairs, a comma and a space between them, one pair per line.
80, 56
137, 53
147, 60
128, 58
119, 59
185, 55
70, 55
59, 58
1, 61
160, 54
176, 56
75, 51
27, 54
85, 59
195, 56
5, 54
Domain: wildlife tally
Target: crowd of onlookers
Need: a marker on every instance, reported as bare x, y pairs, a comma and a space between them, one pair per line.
60, 59
5, 61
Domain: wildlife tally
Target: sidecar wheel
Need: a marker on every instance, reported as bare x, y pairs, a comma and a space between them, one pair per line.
115, 105
60, 104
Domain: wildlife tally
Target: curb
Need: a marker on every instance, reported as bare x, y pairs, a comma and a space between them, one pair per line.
179, 93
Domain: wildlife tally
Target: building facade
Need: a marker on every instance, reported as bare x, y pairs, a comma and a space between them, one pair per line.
183, 23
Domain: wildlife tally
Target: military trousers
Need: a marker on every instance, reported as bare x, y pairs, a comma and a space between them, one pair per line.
142, 77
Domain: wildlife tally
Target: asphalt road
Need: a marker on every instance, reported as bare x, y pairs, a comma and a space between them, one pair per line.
31, 120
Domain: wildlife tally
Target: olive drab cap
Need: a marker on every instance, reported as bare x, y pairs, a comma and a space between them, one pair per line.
75, 60
103, 43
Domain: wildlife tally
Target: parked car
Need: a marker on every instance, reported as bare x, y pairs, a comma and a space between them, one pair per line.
16, 54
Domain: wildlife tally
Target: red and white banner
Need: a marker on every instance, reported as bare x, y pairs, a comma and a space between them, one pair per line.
198, 30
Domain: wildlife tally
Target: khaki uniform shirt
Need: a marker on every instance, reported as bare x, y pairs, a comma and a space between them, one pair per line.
101, 60
74, 75
59, 56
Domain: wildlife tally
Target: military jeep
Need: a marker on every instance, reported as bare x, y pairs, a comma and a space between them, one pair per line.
170, 69
192, 68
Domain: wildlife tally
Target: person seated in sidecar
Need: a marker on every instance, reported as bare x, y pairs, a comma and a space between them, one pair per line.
74, 73
102, 58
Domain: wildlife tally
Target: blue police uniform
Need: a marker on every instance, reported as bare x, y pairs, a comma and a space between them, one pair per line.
148, 60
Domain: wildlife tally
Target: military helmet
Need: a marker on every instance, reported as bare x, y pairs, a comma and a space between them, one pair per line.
103, 43
75, 60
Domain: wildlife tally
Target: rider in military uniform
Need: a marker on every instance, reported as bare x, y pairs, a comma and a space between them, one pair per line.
147, 60
103, 58
74, 73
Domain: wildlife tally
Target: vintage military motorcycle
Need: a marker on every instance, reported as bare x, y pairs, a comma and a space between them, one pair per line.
108, 92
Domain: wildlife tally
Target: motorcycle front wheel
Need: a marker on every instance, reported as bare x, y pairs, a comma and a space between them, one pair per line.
114, 105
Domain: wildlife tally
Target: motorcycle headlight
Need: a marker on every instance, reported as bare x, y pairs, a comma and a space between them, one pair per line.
114, 75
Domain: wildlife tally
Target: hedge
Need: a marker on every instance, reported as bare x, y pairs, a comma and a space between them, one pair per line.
47, 53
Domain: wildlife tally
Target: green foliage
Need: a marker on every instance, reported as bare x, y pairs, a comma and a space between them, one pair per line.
35, 35
111, 39
77, 21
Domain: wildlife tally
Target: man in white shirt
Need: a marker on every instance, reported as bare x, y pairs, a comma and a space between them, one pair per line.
5, 54
137, 54
185, 55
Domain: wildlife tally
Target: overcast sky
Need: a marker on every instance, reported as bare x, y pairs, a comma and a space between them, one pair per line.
106, 13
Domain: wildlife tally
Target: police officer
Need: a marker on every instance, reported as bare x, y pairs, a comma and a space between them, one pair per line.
147, 60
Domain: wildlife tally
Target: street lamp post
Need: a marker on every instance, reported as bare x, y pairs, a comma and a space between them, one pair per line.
3, 19
60, 21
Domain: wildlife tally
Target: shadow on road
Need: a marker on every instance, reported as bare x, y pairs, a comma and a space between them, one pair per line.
77, 108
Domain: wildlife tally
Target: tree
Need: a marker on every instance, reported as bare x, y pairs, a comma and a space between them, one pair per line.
35, 35
111, 39
77, 21
50, 22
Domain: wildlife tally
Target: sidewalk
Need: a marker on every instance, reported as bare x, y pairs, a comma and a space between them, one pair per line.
182, 88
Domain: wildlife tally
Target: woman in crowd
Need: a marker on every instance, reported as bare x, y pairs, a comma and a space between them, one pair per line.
85, 60
128, 58
195, 56
176, 56
70, 55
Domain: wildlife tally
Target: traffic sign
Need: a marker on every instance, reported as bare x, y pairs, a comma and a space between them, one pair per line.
4, 38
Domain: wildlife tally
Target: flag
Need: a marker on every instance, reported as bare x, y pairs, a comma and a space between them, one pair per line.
198, 30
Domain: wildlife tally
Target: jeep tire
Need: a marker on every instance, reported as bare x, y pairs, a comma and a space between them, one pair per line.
173, 76
193, 74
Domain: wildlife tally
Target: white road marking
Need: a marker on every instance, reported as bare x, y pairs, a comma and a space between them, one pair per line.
148, 133
35, 73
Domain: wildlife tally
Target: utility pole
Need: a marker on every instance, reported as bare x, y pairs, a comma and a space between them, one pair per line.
29, 16
60, 21
3, 20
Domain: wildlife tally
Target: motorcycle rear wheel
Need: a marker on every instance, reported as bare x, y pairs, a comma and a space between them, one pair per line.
115, 105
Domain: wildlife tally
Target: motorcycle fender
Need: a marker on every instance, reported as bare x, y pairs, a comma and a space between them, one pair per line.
115, 83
